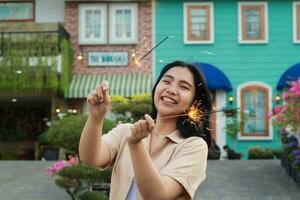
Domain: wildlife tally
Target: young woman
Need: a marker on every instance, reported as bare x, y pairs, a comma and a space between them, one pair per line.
159, 157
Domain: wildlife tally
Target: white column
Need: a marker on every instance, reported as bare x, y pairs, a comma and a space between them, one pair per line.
221, 120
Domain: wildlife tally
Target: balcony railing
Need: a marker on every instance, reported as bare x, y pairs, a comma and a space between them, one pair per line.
35, 60
32, 43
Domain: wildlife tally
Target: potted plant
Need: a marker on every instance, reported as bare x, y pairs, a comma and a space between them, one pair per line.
295, 169
65, 133
46, 149
140, 105
77, 179
120, 107
255, 153
288, 115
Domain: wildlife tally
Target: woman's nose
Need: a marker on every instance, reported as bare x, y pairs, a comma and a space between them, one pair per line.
172, 89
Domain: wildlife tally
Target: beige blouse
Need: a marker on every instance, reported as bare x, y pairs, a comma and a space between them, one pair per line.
182, 159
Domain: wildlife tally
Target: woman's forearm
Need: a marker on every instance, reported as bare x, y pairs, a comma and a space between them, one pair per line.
150, 183
90, 141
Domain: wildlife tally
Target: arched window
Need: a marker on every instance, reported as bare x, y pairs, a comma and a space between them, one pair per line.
254, 102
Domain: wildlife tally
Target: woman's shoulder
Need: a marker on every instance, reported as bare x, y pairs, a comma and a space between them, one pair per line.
194, 142
123, 127
120, 129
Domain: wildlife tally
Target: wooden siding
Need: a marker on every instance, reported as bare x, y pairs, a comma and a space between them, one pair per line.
240, 62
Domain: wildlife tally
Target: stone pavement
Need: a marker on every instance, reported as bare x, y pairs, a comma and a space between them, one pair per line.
247, 180
226, 180
26, 180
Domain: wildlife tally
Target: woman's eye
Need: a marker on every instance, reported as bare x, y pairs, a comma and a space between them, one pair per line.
184, 87
166, 81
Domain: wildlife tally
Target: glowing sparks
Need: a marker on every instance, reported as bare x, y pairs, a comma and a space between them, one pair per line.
136, 62
195, 113
149, 51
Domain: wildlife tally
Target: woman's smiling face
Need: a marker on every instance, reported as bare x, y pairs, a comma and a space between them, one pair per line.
174, 92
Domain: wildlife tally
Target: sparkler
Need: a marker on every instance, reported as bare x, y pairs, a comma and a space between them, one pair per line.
167, 37
137, 61
196, 114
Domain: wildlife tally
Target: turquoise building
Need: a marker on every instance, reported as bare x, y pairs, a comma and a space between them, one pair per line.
250, 44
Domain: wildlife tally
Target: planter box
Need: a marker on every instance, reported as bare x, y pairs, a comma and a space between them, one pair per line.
286, 164
50, 153
295, 175
103, 187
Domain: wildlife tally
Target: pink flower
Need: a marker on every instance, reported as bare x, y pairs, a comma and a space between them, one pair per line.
277, 109
283, 130
297, 93
286, 95
73, 160
298, 110
294, 84
293, 89
269, 115
57, 166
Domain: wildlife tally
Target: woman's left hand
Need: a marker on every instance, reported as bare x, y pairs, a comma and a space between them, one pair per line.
140, 130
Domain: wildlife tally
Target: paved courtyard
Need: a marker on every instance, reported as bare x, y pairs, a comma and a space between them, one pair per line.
247, 180
226, 180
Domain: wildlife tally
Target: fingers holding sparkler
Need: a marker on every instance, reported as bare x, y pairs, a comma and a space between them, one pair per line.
140, 130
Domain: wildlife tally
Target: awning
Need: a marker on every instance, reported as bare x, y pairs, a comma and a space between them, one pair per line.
216, 79
291, 74
119, 84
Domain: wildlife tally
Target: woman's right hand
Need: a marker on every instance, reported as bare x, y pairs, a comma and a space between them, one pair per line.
99, 100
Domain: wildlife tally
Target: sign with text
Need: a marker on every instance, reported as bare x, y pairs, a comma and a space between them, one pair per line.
107, 59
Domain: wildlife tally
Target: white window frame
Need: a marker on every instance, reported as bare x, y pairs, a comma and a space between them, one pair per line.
81, 25
269, 89
113, 39
211, 23
240, 25
295, 25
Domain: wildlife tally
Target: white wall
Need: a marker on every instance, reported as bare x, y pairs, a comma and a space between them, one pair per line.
49, 11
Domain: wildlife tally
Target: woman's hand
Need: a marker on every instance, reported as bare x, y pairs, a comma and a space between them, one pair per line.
140, 130
99, 100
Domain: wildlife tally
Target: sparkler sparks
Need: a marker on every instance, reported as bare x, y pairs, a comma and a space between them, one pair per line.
195, 113
137, 61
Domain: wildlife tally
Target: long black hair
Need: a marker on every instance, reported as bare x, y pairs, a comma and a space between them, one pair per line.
202, 95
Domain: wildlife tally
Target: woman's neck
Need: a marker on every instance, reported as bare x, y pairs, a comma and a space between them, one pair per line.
165, 126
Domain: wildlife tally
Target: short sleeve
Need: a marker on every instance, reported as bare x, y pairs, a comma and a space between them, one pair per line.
188, 166
114, 139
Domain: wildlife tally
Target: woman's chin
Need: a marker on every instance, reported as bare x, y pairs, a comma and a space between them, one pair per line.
167, 112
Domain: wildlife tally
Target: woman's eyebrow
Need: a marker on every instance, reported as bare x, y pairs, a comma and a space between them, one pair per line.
189, 84
182, 81
168, 76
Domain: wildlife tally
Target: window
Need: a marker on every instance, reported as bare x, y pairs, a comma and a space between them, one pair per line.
113, 23
198, 23
255, 102
253, 22
123, 27
16, 11
92, 24
296, 22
